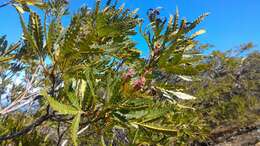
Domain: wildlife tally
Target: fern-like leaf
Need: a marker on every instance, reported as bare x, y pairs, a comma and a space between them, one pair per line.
74, 129
62, 108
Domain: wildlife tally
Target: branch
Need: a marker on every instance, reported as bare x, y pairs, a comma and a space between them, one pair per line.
27, 129
22, 96
14, 47
5, 4
7, 59
18, 106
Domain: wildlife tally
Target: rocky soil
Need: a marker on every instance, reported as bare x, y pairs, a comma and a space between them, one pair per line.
236, 136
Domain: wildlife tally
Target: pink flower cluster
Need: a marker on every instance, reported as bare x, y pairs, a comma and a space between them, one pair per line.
139, 83
130, 73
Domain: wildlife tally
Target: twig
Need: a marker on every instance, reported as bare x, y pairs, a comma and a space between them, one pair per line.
5, 4
25, 130
21, 105
22, 96
14, 47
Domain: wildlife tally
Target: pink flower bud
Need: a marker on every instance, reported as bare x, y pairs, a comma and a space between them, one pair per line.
130, 73
156, 50
139, 83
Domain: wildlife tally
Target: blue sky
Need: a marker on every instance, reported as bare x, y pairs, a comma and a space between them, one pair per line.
231, 22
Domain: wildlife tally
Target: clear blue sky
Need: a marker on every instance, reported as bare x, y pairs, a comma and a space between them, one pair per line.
231, 22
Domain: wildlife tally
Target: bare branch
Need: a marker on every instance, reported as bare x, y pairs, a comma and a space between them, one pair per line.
27, 129
5, 4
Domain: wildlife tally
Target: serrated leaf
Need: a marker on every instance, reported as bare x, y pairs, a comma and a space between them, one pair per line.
183, 96
155, 114
134, 12
73, 100
62, 108
102, 141
200, 32
74, 129
197, 21
158, 129
19, 9
36, 30
82, 88
90, 84
176, 20
185, 78
180, 95
27, 35
136, 114
29, 2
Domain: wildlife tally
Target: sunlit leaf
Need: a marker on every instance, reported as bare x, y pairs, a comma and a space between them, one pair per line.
200, 32
19, 9
74, 129
62, 108
183, 96
158, 129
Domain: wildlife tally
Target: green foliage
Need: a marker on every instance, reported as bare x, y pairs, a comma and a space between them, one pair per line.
74, 128
62, 108
226, 97
94, 89
16, 122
